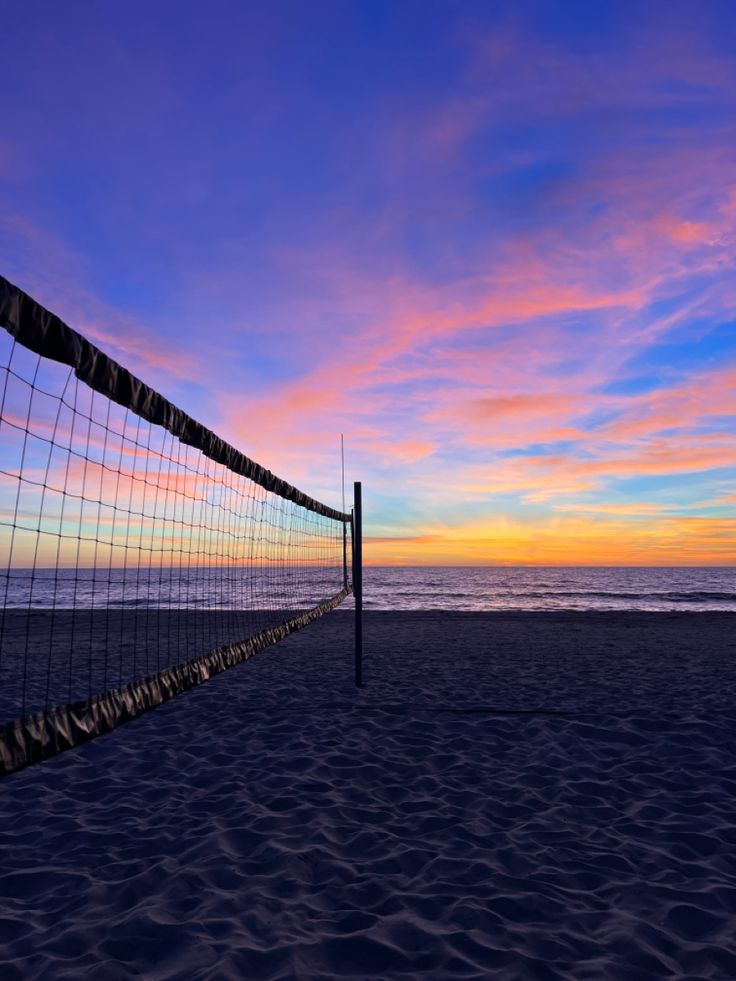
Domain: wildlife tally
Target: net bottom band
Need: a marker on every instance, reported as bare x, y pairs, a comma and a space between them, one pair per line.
42, 735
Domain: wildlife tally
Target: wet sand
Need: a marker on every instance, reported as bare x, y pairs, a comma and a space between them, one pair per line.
511, 795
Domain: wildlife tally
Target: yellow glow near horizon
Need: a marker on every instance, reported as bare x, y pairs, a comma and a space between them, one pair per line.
563, 541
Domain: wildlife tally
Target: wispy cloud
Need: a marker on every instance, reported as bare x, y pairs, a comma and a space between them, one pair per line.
507, 281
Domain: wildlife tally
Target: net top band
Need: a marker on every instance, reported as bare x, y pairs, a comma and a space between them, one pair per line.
43, 332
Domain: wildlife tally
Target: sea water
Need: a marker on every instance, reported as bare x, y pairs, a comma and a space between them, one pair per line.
554, 588
385, 588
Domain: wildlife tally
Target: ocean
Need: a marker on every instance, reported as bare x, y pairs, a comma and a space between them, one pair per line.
524, 588
385, 588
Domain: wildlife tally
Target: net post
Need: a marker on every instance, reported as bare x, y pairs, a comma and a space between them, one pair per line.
358, 579
345, 554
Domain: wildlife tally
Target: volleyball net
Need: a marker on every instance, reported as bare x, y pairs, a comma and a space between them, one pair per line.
140, 554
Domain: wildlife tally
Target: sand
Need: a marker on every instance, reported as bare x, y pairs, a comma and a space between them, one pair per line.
512, 796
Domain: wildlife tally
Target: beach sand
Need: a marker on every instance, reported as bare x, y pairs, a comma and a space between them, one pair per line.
511, 795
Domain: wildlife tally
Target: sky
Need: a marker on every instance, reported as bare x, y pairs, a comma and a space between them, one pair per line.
491, 243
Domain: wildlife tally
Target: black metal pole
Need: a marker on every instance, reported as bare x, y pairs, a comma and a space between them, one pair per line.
358, 579
345, 554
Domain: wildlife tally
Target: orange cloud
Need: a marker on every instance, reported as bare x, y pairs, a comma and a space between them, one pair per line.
405, 451
689, 232
524, 404
564, 541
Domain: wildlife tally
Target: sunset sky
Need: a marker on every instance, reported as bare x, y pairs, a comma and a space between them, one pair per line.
492, 243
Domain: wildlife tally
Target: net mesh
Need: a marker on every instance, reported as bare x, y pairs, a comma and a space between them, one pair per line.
124, 550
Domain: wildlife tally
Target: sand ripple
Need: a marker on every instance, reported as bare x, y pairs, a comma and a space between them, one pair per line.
271, 825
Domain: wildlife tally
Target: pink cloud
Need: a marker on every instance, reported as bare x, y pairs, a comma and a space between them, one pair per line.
507, 337
685, 405
544, 478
